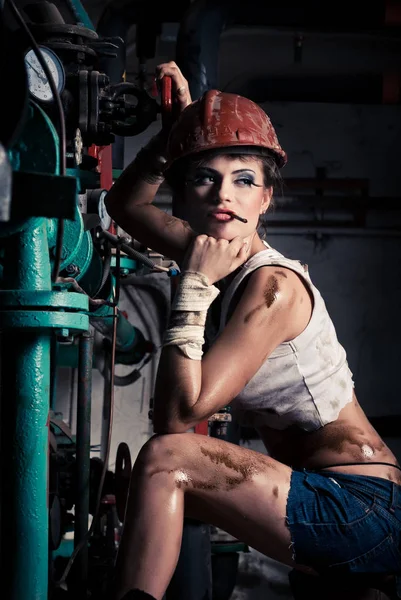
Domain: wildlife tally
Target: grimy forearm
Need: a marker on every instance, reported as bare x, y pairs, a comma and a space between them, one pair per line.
129, 203
139, 182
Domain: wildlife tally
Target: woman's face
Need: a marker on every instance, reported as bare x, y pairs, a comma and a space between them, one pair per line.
222, 185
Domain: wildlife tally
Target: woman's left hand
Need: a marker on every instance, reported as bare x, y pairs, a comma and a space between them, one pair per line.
215, 258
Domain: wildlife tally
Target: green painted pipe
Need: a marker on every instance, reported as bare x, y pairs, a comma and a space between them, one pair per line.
84, 401
80, 14
25, 376
129, 339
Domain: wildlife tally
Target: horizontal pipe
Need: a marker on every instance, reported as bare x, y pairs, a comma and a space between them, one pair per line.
348, 88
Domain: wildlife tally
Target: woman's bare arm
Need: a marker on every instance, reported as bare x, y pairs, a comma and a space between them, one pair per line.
189, 391
129, 201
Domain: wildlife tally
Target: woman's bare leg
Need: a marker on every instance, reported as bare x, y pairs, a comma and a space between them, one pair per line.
241, 491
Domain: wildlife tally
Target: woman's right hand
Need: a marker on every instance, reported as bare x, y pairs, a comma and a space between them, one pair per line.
180, 89
215, 258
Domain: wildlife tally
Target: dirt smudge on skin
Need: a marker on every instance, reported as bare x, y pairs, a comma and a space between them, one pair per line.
205, 485
341, 438
184, 481
245, 469
232, 482
252, 312
293, 298
271, 290
223, 458
270, 296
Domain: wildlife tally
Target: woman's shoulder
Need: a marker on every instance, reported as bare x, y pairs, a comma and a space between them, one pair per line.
271, 256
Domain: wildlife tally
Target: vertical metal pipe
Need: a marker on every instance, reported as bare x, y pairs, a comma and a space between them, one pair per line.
25, 377
84, 397
113, 23
106, 416
53, 371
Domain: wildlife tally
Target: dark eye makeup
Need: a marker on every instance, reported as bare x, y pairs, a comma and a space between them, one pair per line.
205, 175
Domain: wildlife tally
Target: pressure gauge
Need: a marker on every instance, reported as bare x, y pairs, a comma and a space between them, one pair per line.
38, 83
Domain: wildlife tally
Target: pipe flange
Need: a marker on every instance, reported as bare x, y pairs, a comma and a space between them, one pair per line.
66, 301
37, 311
36, 320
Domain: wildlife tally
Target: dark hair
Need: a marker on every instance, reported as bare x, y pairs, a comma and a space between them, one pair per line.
176, 175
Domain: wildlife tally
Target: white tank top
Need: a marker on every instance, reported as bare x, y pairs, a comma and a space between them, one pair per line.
304, 382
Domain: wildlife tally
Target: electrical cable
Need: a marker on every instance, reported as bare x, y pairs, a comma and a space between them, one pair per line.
96, 515
125, 247
62, 132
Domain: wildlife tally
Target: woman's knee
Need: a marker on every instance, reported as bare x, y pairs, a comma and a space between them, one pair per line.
158, 453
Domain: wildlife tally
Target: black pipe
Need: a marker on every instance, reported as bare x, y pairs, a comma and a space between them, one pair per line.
114, 24
198, 43
84, 397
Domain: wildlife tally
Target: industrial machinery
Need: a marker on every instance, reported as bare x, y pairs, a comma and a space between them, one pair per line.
60, 268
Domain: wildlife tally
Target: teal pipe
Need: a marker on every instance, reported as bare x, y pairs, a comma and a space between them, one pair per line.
84, 401
80, 14
25, 376
131, 346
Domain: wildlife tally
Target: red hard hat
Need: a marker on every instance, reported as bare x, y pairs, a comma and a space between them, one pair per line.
222, 120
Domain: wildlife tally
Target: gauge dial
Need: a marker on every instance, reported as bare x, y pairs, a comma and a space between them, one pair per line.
38, 83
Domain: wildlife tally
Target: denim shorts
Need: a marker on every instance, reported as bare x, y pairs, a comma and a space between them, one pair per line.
343, 524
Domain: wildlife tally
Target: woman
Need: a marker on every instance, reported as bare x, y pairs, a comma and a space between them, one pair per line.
325, 500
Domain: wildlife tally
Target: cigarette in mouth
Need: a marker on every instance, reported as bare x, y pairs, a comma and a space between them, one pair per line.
234, 216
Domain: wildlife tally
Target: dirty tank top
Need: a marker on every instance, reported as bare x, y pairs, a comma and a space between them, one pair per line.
303, 383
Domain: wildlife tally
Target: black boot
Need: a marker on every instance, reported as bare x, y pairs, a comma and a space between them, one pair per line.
137, 595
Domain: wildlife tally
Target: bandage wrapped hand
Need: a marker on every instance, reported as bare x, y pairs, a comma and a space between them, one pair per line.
188, 314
